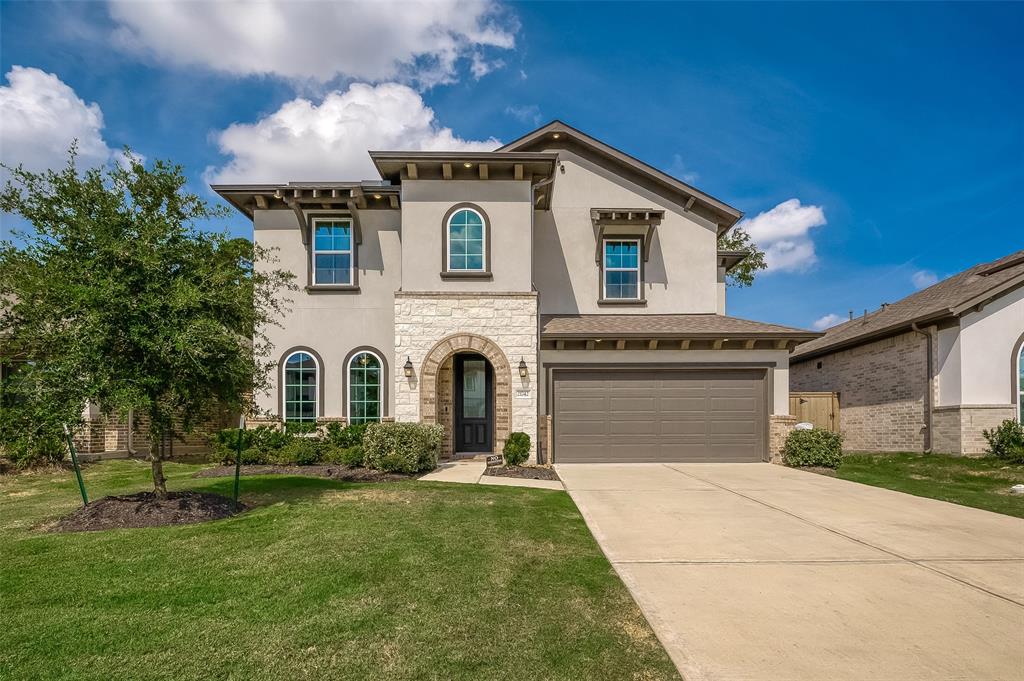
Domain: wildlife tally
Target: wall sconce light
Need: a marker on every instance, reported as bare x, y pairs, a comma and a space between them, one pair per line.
408, 367
523, 373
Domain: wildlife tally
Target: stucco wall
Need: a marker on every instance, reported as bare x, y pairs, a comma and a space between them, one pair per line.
987, 340
882, 387
680, 276
780, 374
333, 323
509, 211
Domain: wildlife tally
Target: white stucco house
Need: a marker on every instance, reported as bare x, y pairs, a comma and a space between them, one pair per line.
556, 286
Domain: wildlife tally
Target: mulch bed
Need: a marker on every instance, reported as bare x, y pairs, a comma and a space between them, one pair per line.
144, 509
528, 472
342, 473
820, 470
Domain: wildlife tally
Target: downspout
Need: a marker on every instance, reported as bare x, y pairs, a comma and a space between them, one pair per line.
929, 373
533, 285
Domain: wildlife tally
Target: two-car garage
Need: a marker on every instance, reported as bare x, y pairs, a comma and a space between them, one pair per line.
658, 414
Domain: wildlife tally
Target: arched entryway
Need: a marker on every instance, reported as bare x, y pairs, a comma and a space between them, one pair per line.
454, 363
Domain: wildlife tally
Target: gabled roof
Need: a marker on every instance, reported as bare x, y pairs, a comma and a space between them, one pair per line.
947, 299
557, 134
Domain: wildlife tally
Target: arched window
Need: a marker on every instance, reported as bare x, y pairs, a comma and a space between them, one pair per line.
300, 387
466, 241
365, 387
1020, 384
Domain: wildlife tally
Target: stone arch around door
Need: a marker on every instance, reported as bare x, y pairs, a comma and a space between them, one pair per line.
436, 390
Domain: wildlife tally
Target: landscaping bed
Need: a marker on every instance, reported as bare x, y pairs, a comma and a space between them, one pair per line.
527, 472
343, 473
145, 509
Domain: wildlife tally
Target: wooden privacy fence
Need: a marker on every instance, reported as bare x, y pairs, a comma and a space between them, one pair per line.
821, 409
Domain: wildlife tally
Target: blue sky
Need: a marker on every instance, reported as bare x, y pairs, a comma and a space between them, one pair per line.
883, 143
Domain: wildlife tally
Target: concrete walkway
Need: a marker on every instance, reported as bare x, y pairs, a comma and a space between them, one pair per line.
755, 571
471, 471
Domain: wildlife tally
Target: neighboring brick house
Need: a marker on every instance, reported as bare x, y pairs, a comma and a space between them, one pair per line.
555, 286
891, 398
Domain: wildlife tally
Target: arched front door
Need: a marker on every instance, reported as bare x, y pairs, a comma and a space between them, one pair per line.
473, 388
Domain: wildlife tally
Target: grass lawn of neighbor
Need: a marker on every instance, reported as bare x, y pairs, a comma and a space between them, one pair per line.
319, 580
982, 483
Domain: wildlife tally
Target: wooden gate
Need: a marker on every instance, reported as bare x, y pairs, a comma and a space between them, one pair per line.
821, 409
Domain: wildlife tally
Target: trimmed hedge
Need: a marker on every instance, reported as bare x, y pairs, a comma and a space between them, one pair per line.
816, 447
402, 447
1006, 441
517, 449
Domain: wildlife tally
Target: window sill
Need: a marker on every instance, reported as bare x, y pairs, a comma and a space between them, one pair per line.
627, 303
466, 275
332, 288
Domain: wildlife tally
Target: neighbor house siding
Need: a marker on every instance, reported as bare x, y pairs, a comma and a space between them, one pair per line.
882, 387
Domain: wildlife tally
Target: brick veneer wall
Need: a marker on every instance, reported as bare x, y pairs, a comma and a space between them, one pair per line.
882, 387
958, 429
108, 436
779, 428
430, 327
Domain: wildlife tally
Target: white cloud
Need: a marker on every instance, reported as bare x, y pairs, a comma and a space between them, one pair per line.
528, 113
419, 42
827, 321
40, 116
924, 279
305, 141
679, 169
784, 234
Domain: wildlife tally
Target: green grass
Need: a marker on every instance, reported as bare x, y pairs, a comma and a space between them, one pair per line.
981, 483
321, 580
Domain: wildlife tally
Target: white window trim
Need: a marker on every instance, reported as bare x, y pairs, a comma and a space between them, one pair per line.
350, 251
605, 269
284, 388
483, 242
348, 384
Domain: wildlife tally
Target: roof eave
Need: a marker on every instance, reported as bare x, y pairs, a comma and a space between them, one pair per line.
885, 332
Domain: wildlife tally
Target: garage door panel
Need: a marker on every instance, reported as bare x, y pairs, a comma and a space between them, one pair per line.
659, 415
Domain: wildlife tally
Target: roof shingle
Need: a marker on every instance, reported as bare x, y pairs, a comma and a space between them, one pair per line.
665, 325
943, 299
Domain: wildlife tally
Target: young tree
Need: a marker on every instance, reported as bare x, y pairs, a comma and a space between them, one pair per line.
737, 239
123, 302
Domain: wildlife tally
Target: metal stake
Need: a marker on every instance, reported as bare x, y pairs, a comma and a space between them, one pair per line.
238, 455
74, 460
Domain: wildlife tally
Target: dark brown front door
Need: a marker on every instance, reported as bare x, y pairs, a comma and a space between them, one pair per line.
474, 406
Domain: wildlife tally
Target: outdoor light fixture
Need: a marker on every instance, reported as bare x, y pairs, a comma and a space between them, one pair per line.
468, 165
408, 367
557, 135
376, 196
523, 373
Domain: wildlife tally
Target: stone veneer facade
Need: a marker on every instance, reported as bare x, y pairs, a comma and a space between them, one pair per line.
431, 327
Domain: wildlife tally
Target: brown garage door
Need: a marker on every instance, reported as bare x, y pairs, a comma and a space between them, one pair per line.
650, 415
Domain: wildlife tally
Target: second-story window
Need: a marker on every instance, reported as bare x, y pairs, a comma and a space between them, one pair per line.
466, 247
332, 252
621, 276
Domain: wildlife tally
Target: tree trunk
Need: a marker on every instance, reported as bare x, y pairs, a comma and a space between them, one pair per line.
156, 455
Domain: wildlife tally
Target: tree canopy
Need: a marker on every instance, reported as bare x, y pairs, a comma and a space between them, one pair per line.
737, 239
121, 300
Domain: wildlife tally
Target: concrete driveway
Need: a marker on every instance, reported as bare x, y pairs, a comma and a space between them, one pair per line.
755, 571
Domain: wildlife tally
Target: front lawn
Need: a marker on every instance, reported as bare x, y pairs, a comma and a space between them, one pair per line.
982, 483
321, 580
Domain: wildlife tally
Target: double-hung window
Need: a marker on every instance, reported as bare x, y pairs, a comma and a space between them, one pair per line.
300, 387
466, 241
621, 274
332, 252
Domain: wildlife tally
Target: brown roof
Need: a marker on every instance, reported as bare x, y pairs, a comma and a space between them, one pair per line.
662, 325
947, 299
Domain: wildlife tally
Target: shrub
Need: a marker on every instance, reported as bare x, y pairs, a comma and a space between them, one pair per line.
266, 440
816, 447
402, 447
346, 436
38, 450
344, 456
1006, 441
517, 449
301, 451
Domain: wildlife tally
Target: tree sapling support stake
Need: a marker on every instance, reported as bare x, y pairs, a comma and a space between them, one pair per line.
238, 455
74, 461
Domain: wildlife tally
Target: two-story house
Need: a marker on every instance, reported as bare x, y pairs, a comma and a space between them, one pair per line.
555, 286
